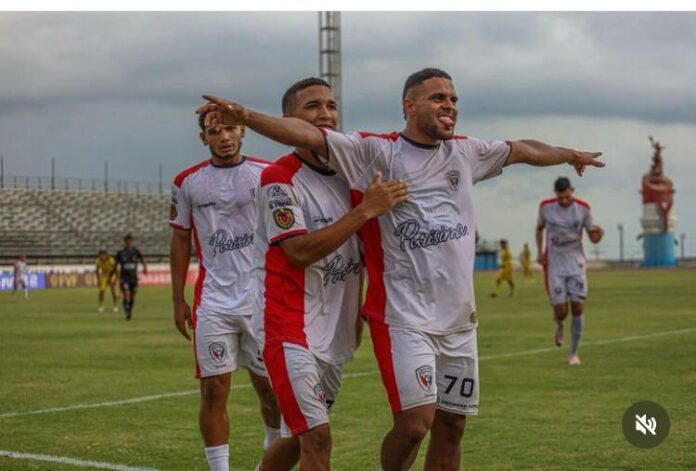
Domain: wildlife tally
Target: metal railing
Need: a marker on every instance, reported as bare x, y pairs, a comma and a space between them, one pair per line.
81, 184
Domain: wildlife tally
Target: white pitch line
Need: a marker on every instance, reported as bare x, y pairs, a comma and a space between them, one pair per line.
155, 397
75, 462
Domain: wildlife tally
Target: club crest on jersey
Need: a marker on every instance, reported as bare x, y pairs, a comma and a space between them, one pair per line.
276, 191
473, 318
453, 179
425, 377
284, 218
217, 351
172, 212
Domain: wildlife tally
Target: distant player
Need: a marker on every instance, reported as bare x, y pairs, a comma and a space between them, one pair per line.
505, 272
560, 253
310, 270
106, 278
526, 262
213, 206
21, 276
127, 260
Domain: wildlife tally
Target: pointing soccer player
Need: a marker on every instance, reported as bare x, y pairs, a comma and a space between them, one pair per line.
564, 217
420, 255
310, 276
213, 206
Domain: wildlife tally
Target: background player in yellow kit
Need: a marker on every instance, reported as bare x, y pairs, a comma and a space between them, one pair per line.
526, 261
106, 277
505, 272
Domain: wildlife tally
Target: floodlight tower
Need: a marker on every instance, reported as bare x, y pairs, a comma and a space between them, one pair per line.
330, 55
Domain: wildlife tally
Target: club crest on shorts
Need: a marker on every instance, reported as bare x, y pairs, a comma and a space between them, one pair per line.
319, 392
473, 318
217, 351
284, 218
172, 212
453, 179
424, 374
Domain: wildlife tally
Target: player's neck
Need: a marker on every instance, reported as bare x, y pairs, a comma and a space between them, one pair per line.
415, 135
309, 157
218, 161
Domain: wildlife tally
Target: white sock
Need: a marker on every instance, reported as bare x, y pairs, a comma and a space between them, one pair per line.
271, 434
218, 457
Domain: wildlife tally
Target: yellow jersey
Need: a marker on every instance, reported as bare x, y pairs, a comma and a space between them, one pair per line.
105, 267
505, 259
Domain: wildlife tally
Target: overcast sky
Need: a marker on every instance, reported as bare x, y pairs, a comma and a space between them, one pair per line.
87, 88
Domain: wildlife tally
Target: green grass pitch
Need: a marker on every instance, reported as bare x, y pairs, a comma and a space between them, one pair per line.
536, 412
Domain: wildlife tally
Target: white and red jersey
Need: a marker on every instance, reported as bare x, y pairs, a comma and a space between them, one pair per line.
564, 253
316, 306
420, 255
217, 204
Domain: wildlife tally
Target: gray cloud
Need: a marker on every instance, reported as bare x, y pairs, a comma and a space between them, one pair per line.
87, 88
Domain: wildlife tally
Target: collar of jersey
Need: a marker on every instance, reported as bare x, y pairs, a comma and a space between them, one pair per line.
323, 171
418, 144
228, 165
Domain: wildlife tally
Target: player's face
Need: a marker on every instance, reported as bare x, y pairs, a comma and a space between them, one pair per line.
224, 142
102, 256
129, 243
316, 105
433, 106
565, 197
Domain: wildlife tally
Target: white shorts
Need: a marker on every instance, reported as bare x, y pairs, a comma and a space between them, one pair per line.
420, 368
562, 288
224, 342
306, 387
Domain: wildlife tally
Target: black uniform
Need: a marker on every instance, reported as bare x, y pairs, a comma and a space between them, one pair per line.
127, 259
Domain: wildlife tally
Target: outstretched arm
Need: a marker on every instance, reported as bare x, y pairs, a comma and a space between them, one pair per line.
289, 131
539, 154
380, 197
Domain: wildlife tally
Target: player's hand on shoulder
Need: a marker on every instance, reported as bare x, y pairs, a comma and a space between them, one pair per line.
182, 318
381, 196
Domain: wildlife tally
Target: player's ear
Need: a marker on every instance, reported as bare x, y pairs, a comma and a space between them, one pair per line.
408, 105
204, 140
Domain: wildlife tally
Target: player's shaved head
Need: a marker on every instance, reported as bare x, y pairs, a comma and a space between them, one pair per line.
417, 78
290, 95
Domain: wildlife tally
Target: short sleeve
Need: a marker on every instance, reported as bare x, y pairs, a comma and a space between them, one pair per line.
541, 222
486, 157
281, 211
350, 154
180, 208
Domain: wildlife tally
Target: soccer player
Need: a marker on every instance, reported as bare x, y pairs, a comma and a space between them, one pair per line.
21, 276
420, 255
127, 262
564, 217
310, 275
526, 261
106, 277
212, 205
505, 272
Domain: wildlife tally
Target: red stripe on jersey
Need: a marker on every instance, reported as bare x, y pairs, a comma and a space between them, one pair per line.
178, 226
392, 136
274, 358
179, 179
285, 235
281, 171
197, 293
381, 344
460, 137
376, 301
284, 291
581, 202
548, 201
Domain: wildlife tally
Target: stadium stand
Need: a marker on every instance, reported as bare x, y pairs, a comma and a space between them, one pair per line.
72, 224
